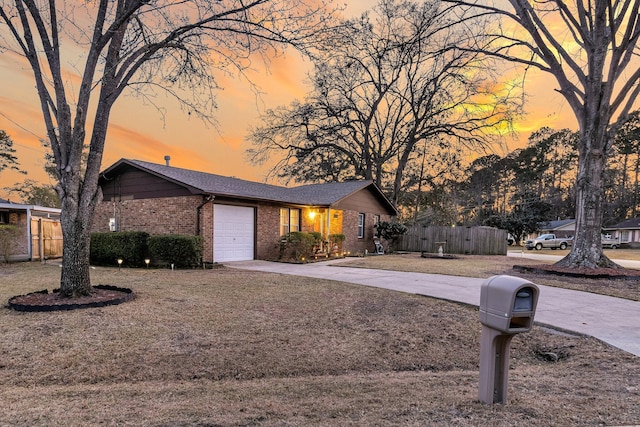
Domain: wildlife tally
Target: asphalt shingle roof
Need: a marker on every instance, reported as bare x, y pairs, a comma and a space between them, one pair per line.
629, 223
552, 225
312, 194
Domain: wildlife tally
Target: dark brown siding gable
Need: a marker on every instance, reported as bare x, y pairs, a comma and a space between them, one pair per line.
137, 184
362, 201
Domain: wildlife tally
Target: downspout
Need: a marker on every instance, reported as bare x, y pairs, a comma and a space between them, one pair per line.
206, 200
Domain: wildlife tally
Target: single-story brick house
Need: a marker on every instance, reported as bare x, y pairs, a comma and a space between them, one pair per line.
239, 219
39, 234
627, 231
561, 228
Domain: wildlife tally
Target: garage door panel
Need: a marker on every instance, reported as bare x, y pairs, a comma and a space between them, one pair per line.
233, 233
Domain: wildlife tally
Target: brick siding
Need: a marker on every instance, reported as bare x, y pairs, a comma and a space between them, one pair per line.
20, 244
268, 231
178, 215
167, 215
353, 244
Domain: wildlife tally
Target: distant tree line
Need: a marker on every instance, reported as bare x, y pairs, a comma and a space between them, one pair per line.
529, 185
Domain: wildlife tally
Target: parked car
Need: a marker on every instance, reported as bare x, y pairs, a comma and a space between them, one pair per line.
609, 242
548, 241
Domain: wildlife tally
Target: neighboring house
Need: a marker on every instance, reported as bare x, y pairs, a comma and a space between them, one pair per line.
627, 231
563, 228
238, 219
39, 235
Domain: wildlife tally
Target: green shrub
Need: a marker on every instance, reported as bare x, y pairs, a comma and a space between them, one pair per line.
297, 245
130, 246
180, 250
390, 231
316, 236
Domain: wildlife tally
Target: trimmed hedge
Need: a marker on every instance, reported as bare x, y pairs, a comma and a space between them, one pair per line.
130, 246
180, 250
134, 247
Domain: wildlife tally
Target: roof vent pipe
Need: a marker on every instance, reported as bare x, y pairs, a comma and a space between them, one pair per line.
167, 160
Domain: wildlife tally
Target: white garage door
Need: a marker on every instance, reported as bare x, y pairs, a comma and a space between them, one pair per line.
233, 233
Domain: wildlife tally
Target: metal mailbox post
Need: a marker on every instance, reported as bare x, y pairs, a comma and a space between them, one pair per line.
507, 307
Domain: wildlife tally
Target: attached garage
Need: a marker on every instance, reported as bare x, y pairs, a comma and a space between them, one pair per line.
233, 233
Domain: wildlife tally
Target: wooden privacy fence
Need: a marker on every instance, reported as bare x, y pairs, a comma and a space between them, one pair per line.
454, 240
46, 238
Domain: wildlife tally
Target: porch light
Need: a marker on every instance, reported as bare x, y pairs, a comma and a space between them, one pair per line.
312, 213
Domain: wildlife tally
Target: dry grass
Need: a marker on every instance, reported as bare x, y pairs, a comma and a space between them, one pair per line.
229, 348
486, 266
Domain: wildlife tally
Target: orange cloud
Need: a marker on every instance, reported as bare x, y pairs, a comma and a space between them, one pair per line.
139, 131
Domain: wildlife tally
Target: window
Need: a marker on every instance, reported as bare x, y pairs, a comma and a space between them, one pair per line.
294, 219
289, 220
4, 217
360, 226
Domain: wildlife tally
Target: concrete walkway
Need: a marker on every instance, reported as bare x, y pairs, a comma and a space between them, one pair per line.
612, 320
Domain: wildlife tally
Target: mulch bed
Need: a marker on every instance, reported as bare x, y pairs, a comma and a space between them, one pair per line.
438, 256
588, 273
101, 296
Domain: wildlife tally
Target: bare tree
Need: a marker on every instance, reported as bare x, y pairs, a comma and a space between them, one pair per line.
589, 47
387, 85
143, 46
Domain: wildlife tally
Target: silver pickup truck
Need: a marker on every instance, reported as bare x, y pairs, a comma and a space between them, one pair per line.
547, 241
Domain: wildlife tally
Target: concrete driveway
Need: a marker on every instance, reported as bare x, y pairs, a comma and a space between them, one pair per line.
613, 320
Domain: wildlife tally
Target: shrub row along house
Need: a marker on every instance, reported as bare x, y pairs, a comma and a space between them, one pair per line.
238, 219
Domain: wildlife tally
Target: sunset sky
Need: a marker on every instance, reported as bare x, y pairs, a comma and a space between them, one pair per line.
138, 131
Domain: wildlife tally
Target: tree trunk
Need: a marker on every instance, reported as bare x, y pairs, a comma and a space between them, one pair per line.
586, 251
75, 280
636, 186
79, 195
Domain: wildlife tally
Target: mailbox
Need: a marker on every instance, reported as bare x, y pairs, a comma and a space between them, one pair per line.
508, 303
507, 307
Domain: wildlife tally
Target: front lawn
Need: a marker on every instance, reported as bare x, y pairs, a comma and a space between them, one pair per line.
229, 347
